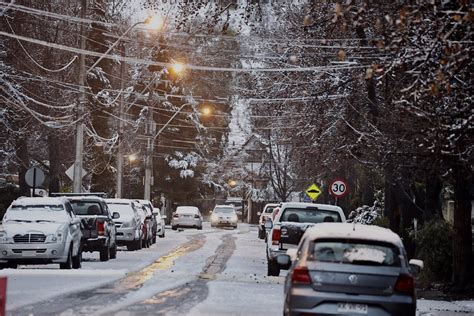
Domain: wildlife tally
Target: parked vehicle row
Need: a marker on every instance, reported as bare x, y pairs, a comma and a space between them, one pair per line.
59, 229
337, 267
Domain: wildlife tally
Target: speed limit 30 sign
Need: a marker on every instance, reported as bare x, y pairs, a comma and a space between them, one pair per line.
338, 188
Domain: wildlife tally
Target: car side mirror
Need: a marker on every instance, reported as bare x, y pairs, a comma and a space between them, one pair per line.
115, 215
269, 224
164, 217
259, 213
155, 213
416, 266
283, 259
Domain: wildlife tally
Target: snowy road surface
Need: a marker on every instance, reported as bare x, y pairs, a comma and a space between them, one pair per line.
208, 272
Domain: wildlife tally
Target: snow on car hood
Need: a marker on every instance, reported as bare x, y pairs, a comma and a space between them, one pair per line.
13, 227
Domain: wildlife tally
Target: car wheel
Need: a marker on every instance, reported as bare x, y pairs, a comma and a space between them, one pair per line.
261, 233
273, 269
67, 265
131, 246
199, 228
113, 252
105, 254
175, 227
77, 260
163, 234
153, 239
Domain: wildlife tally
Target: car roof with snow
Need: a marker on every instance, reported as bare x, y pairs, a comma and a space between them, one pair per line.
40, 201
352, 231
312, 205
120, 201
224, 206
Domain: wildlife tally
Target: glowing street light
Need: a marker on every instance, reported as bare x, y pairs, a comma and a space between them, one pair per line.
132, 157
232, 183
177, 68
154, 22
206, 111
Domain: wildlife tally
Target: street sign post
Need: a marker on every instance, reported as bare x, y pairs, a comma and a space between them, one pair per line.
34, 177
313, 192
338, 188
70, 172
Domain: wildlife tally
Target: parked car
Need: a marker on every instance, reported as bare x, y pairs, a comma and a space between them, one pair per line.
40, 231
290, 223
264, 216
160, 219
152, 218
98, 227
342, 268
186, 216
129, 223
145, 217
224, 215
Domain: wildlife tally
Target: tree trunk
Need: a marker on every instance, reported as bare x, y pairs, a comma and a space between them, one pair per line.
462, 235
433, 196
24, 160
391, 211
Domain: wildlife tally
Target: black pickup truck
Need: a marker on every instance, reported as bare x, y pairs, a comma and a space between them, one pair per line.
98, 227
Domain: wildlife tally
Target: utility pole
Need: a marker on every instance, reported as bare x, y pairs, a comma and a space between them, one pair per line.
77, 183
121, 118
149, 131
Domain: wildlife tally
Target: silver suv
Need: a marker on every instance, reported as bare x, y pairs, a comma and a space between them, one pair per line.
40, 231
130, 230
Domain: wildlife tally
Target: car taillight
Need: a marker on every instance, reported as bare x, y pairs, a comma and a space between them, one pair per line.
196, 216
276, 234
100, 228
405, 284
175, 215
301, 275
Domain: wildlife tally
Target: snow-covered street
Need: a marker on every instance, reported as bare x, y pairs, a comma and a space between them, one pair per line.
208, 272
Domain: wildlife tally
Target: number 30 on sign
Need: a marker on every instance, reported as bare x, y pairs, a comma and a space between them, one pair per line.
338, 188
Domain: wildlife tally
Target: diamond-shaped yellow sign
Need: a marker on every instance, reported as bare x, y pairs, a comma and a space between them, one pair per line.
313, 191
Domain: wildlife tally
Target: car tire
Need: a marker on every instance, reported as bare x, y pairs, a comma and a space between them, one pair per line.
175, 227
104, 254
199, 227
131, 246
261, 233
77, 260
68, 264
163, 234
273, 269
113, 252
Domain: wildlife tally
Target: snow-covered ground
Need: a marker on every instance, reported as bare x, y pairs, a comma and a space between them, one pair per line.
191, 272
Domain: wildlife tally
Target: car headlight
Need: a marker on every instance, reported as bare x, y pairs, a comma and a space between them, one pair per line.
233, 218
5, 239
54, 238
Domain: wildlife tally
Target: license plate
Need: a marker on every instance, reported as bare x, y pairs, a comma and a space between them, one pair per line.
352, 308
28, 253
187, 216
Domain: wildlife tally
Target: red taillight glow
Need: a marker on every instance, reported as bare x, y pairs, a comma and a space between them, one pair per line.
276, 234
301, 275
100, 228
405, 284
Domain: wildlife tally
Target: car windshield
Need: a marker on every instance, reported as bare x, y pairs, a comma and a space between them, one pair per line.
87, 207
356, 252
29, 213
223, 210
309, 215
269, 209
125, 210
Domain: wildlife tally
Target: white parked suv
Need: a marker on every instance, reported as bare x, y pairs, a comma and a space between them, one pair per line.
40, 231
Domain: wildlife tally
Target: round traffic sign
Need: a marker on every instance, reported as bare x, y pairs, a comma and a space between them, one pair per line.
339, 188
34, 177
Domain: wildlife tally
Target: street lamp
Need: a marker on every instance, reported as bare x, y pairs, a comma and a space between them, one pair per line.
78, 161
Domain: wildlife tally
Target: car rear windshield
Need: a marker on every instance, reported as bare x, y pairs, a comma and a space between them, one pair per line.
360, 252
87, 208
223, 210
309, 215
187, 210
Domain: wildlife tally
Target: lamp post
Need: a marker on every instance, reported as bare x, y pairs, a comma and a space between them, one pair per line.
78, 161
